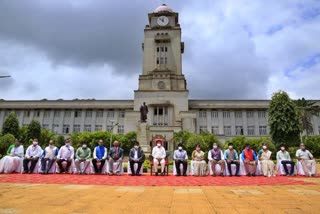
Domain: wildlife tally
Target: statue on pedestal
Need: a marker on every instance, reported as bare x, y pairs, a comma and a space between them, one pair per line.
143, 113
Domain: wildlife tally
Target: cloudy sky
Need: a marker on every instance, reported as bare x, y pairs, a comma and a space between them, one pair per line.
92, 48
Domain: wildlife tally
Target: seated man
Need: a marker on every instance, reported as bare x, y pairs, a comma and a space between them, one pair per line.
267, 164
33, 154
306, 158
99, 156
83, 154
12, 162
136, 156
231, 156
49, 155
215, 156
249, 157
180, 157
115, 155
159, 155
66, 153
284, 158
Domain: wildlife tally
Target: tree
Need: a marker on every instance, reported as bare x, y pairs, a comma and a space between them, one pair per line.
283, 120
11, 125
5, 142
306, 109
33, 131
45, 137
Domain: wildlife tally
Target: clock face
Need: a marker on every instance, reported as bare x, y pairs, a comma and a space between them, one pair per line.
161, 85
163, 20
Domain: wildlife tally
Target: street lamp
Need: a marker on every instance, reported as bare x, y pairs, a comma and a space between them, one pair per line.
111, 130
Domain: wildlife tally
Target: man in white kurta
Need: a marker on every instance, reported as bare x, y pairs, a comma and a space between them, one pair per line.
13, 161
66, 153
306, 158
159, 155
33, 154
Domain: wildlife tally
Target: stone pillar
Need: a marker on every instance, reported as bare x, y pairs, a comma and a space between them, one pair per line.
143, 137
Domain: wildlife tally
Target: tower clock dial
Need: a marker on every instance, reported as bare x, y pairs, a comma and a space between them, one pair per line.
163, 20
161, 85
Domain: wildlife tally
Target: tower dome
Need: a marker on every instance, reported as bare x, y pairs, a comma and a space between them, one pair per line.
163, 8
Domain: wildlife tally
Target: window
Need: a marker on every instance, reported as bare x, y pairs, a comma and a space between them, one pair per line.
99, 113
238, 114
109, 127
261, 114
6, 113
203, 129
110, 114
55, 128
77, 113
319, 130
46, 114
202, 114
37, 113
120, 129
87, 128
45, 126
262, 130
26, 113
122, 114
98, 128
162, 55
239, 130
76, 128
160, 116
226, 114
89, 113
17, 113
215, 130
227, 130
56, 113
214, 114
251, 130
66, 129
250, 114
67, 113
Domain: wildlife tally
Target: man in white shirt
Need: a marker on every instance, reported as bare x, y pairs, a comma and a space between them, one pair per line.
66, 153
49, 155
33, 154
306, 158
159, 155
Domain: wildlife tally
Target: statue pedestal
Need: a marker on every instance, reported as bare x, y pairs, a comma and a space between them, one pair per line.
143, 137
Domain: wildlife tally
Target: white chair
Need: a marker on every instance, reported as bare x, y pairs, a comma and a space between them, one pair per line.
300, 169
64, 164
233, 169
181, 169
243, 170
52, 170
135, 165
115, 165
281, 170
104, 168
218, 168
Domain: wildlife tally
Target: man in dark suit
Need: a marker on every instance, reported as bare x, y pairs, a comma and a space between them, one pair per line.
115, 155
136, 156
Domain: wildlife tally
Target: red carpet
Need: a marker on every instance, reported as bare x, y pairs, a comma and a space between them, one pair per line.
147, 180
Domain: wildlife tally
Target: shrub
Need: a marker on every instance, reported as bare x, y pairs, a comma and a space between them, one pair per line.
5, 142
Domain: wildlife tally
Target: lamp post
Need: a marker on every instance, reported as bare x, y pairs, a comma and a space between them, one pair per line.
111, 130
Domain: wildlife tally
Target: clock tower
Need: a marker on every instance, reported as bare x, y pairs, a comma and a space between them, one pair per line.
162, 85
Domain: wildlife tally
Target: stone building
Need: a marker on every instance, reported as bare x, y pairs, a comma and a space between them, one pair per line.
163, 87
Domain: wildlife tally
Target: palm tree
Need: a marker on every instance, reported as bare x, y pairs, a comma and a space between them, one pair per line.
306, 109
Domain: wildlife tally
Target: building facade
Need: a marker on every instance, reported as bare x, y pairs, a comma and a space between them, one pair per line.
163, 87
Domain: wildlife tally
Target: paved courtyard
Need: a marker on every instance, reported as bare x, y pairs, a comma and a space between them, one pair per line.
72, 194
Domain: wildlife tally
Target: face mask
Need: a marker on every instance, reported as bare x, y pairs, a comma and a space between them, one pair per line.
116, 145
230, 147
264, 147
35, 143
51, 145
84, 146
158, 145
303, 148
215, 147
136, 147
282, 148
248, 147
67, 144
180, 148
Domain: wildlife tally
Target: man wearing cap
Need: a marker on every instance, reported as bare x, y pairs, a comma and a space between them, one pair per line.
180, 157
159, 155
83, 154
